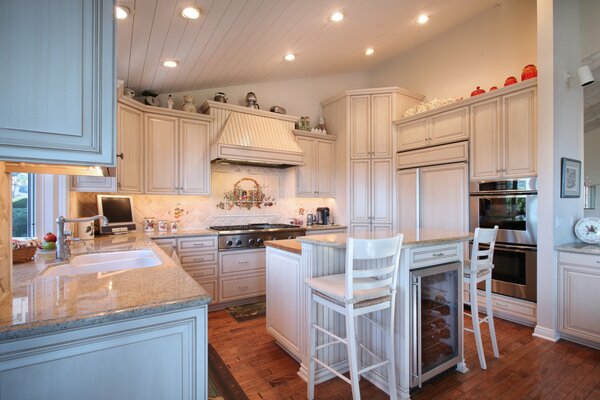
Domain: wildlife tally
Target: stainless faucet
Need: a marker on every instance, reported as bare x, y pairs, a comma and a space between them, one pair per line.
63, 251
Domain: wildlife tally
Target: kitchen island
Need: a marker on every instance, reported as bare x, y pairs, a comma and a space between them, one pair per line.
137, 333
325, 255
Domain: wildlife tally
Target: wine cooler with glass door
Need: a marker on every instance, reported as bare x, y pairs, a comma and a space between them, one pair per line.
436, 321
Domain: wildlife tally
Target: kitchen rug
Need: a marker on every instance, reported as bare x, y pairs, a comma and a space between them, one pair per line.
248, 311
221, 384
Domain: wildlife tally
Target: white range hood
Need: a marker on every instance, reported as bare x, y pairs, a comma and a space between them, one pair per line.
248, 136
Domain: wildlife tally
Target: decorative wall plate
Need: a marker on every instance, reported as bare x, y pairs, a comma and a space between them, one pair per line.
588, 230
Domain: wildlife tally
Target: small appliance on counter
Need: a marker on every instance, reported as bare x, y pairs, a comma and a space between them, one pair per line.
310, 219
322, 216
119, 212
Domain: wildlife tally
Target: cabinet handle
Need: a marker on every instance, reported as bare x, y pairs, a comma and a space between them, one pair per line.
438, 254
243, 287
242, 262
121, 156
198, 274
197, 259
198, 244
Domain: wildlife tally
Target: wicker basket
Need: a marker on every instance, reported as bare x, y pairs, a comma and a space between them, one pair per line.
23, 255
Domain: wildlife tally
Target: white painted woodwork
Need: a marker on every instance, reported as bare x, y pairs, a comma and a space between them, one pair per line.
305, 174
413, 135
360, 126
194, 157
382, 183
433, 129
212, 288
360, 189
486, 144
520, 133
240, 286
237, 261
333, 230
130, 143
145, 358
61, 78
283, 301
443, 154
322, 260
381, 126
201, 273
358, 228
194, 244
197, 259
510, 308
161, 154
241, 274
578, 297
82, 183
325, 168
166, 245
408, 204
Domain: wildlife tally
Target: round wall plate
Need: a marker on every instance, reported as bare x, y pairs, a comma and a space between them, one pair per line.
588, 230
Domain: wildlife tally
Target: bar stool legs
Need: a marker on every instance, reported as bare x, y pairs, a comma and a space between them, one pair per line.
490, 315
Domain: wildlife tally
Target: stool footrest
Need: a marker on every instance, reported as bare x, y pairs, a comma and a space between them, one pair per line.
333, 371
377, 324
370, 367
339, 339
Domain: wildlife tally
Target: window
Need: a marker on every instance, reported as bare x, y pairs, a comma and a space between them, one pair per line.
23, 200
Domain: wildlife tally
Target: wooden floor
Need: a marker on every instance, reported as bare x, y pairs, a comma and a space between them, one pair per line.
528, 367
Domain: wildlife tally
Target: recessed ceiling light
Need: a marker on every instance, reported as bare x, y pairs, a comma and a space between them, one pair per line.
423, 18
191, 13
171, 63
336, 16
369, 51
121, 12
290, 57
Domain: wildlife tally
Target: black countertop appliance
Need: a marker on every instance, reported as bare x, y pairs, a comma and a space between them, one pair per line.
322, 216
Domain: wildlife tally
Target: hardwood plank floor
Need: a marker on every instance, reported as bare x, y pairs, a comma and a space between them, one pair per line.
528, 367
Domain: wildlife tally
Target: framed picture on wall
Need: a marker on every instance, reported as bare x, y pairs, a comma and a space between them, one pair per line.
570, 178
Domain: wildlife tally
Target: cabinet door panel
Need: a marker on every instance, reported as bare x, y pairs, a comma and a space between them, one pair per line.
161, 154
381, 192
450, 126
444, 197
485, 140
60, 77
93, 184
305, 173
130, 177
520, 133
580, 314
412, 135
360, 191
325, 168
358, 228
408, 212
194, 170
381, 125
360, 125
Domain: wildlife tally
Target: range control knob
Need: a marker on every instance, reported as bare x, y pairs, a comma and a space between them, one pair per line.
259, 242
229, 243
290, 237
238, 242
251, 241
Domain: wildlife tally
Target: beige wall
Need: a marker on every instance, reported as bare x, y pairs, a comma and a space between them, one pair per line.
300, 97
5, 234
481, 52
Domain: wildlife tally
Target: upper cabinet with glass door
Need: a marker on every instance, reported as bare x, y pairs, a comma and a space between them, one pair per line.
57, 77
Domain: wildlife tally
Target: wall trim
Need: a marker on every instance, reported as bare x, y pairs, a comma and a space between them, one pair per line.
546, 333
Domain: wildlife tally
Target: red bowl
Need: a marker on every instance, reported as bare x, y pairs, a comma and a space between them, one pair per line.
511, 80
529, 71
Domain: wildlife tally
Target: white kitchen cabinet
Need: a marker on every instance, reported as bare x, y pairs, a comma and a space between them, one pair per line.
177, 155
199, 258
332, 229
60, 79
504, 136
284, 286
241, 274
82, 183
371, 192
130, 149
316, 177
433, 129
370, 125
578, 297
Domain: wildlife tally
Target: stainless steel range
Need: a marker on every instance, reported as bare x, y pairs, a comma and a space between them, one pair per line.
237, 237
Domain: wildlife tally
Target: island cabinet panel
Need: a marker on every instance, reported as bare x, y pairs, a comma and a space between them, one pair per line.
579, 296
157, 357
161, 154
59, 81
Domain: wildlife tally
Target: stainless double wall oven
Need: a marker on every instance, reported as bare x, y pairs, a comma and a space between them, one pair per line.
512, 205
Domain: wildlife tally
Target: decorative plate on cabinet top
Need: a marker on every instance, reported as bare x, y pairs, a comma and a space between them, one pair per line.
588, 230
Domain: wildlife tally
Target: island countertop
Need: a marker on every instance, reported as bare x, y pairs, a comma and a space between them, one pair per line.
291, 245
413, 238
42, 304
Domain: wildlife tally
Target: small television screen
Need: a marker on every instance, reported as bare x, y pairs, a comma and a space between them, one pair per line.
118, 209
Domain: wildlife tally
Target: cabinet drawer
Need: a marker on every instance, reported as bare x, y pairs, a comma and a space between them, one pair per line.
432, 256
210, 286
443, 154
242, 286
196, 243
198, 259
242, 261
200, 273
588, 260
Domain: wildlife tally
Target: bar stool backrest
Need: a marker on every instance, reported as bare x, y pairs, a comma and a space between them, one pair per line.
483, 259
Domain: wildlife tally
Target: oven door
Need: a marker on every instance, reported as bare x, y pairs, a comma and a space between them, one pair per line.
515, 215
515, 272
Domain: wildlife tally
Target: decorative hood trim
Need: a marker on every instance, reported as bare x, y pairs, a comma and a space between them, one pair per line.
253, 139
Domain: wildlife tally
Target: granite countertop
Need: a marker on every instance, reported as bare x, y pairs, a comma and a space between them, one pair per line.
325, 227
42, 304
580, 247
415, 238
291, 245
181, 233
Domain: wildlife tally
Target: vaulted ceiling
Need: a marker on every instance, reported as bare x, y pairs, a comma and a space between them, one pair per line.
243, 41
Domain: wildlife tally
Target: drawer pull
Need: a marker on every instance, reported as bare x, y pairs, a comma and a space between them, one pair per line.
197, 259
502, 305
243, 287
198, 244
242, 262
198, 274
438, 254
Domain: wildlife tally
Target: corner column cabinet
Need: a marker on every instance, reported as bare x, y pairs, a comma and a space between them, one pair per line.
316, 178
578, 297
362, 120
75, 61
504, 135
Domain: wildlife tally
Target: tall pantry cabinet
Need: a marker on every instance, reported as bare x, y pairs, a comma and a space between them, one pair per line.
362, 121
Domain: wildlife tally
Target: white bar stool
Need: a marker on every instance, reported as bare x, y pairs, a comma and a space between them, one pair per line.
368, 285
477, 271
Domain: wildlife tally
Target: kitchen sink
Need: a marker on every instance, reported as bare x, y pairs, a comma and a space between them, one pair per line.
105, 262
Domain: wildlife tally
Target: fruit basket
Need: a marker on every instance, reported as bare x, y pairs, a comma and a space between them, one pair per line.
24, 249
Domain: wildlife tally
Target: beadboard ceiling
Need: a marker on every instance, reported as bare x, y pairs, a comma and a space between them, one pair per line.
244, 41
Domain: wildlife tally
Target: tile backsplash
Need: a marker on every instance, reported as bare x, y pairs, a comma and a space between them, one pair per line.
199, 212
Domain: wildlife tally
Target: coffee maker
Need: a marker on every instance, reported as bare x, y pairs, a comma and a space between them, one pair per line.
322, 216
